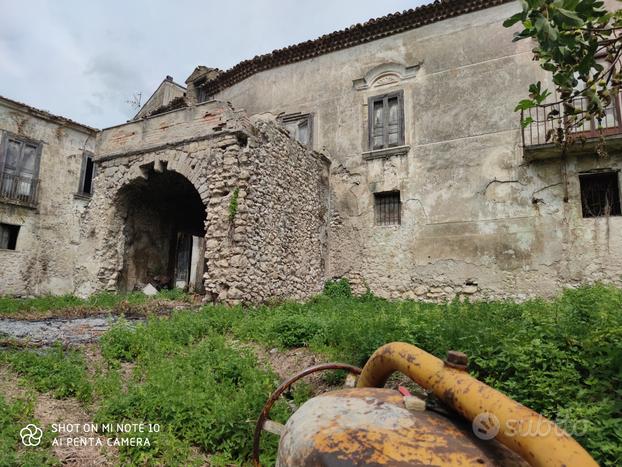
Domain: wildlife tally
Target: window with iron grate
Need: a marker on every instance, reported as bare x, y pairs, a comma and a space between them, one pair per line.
600, 194
387, 208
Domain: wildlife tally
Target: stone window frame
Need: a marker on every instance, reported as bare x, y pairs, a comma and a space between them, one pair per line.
86, 156
299, 117
5, 137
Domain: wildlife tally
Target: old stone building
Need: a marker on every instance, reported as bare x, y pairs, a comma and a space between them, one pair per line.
388, 153
44, 160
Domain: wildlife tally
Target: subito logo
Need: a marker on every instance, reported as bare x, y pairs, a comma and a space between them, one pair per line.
31, 435
486, 426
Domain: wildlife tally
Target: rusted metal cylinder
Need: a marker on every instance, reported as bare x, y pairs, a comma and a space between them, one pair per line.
538, 440
373, 427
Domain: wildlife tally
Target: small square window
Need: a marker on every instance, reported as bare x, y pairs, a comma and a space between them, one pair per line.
600, 194
8, 236
387, 208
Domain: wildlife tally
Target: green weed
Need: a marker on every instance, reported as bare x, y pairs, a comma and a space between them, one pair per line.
13, 417
61, 372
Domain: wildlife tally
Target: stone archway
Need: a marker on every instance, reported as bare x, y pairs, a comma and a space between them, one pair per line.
163, 232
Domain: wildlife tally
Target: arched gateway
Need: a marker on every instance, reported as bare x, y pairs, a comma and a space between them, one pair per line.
164, 232
202, 198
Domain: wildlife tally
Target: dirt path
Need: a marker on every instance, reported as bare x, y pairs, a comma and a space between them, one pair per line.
48, 411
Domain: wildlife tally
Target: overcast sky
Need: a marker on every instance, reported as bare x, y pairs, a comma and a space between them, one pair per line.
84, 59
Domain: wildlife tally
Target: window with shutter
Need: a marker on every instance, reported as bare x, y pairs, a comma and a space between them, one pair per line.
19, 164
386, 121
300, 127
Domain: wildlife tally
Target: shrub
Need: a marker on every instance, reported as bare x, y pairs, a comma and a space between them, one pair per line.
338, 288
294, 330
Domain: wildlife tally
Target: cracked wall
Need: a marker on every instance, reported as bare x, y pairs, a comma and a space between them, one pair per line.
469, 224
45, 257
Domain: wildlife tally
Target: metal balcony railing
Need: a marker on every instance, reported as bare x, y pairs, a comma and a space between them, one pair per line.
549, 117
18, 189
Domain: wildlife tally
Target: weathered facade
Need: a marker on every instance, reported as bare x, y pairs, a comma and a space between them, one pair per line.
432, 190
254, 200
42, 157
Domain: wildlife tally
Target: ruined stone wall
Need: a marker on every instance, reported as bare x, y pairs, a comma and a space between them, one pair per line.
470, 225
45, 255
284, 208
271, 245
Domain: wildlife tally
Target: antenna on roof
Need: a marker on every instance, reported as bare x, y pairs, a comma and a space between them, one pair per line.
135, 100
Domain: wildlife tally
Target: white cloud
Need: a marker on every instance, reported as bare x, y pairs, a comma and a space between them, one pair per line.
85, 59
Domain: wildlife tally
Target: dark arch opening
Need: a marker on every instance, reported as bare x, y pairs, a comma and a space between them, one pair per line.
164, 231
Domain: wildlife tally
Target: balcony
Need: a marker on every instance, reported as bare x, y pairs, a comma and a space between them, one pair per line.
20, 190
537, 137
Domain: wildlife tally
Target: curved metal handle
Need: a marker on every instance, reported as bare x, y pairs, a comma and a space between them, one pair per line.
281, 389
470, 398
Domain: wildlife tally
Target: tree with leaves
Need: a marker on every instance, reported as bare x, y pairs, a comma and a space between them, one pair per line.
580, 43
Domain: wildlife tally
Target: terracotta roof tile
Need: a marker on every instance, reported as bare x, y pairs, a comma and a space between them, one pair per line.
371, 30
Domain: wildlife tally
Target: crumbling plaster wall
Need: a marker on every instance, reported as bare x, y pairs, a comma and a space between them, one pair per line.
272, 245
469, 225
44, 259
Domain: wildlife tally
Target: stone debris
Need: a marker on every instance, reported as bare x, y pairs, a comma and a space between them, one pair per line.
150, 290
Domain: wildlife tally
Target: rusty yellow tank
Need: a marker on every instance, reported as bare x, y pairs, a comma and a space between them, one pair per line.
367, 425
372, 426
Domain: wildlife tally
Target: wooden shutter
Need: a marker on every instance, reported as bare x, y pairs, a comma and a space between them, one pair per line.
386, 121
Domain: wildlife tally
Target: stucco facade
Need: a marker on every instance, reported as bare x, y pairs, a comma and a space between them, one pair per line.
481, 213
46, 253
477, 218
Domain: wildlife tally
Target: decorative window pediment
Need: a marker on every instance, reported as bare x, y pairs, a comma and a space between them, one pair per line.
386, 74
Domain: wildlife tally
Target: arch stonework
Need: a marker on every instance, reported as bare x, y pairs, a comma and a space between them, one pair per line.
272, 245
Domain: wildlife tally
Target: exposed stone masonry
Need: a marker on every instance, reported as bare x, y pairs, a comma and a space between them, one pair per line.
272, 245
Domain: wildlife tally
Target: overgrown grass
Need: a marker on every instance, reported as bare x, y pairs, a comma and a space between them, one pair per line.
563, 358
99, 301
13, 417
61, 372
202, 391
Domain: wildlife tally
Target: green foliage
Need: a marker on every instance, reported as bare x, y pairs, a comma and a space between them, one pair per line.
233, 204
13, 417
562, 358
202, 391
101, 301
294, 330
301, 392
338, 288
63, 372
569, 35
